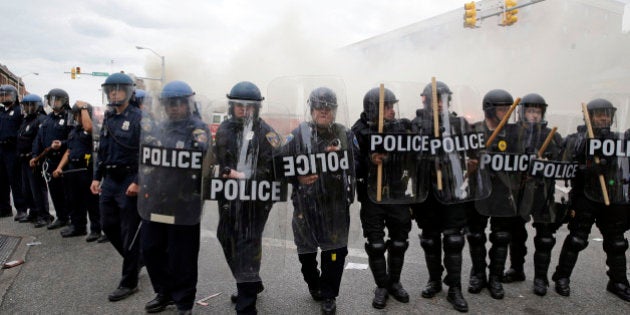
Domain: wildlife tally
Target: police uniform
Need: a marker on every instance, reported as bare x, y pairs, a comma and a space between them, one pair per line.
610, 220
171, 251
83, 202
321, 216
376, 217
441, 224
117, 168
241, 223
33, 185
55, 127
10, 175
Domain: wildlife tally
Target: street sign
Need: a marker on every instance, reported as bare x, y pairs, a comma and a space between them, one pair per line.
100, 74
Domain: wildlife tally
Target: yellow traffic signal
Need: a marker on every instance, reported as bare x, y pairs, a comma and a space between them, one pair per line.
470, 14
73, 73
78, 70
510, 14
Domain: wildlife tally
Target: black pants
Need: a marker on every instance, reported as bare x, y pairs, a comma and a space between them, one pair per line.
170, 254
500, 237
57, 191
84, 203
332, 265
120, 221
34, 188
10, 181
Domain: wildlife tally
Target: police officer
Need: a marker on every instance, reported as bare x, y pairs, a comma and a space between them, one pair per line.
442, 224
244, 145
588, 207
49, 146
78, 175
171, 250
10, 175
115, 178
321, 201
34, 187
375, 217
537, 199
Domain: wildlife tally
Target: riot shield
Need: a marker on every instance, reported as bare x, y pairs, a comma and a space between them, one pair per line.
451, 149
317, 160
606, 172
548, 174
249, 197
391, 140
174, 149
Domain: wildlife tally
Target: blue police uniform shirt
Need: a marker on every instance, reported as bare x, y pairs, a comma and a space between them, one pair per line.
191, 132
27, 133
119, 141
10, 121
54, 127
80, 146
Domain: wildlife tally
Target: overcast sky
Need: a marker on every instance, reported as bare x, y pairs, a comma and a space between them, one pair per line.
198, 38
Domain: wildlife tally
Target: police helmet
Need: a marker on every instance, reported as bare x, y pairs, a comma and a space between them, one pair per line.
245, 93
11, 91
138, 98
495, 98
57, 94
441, 89
322, 97
600, 104
371, 100
532, 100
177, 93
118, 82
35, 102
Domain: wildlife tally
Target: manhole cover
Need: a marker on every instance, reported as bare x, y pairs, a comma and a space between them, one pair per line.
7, 245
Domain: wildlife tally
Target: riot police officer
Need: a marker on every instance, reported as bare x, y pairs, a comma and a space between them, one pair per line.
34, 187
441, 216
50, 145
244, 145
375, 217
10, 175
78, 175
537, 198
172, 191
116, 178
321, 202
587, 203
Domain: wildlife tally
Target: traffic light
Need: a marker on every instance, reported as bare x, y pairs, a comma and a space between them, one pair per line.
470, 14
78, 70
73, 73
509, 17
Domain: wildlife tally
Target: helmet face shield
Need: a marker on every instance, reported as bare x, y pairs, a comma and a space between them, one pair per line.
29, 108
177, 108
117, 94
244, 110
56, 102
7, 97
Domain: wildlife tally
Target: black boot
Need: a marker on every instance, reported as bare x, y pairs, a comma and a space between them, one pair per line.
477, 247
619, 289
395, 260
329, 306
562, 286
433, 256
158, 304
513, 275
456, 298
380, 298
495, 287
540, 286
498, 256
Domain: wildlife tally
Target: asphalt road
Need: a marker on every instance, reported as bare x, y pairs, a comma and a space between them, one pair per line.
70, 276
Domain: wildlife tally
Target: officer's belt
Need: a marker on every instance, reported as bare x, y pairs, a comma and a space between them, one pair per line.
120, 170
25, 155
76, 163
7, 142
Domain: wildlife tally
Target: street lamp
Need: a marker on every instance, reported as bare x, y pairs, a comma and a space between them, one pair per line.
161, 57
21, 76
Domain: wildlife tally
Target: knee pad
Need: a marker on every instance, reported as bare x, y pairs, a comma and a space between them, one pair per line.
500, 238
453, 242
576, 242
617, 245
397, 247
476, 238
375, 249
430, 243
545, 243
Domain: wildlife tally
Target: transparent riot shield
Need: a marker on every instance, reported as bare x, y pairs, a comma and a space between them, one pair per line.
385, 135
549, 172
317, 160
451, 150
249, 197
607, 148
174, 148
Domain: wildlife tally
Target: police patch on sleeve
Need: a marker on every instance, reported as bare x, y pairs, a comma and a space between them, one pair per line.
200, 135
274, 139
